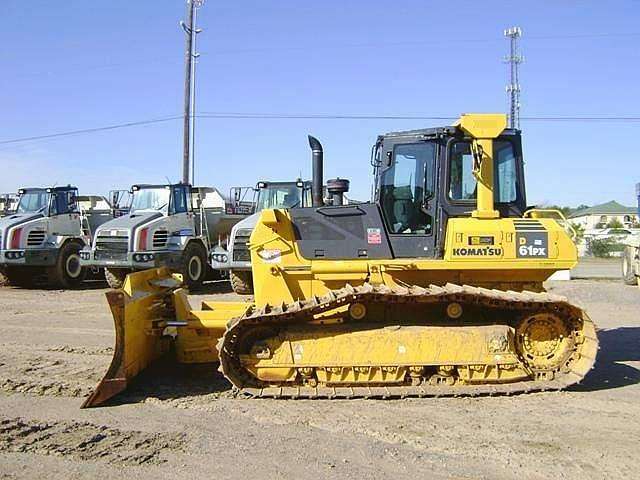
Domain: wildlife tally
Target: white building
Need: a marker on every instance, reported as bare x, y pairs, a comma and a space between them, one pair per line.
599, 216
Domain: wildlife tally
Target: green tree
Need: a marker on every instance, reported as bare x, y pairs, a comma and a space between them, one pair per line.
615, 223
566, 211
605, 247
579, 229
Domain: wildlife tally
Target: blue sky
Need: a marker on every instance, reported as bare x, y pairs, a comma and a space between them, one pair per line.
77, 64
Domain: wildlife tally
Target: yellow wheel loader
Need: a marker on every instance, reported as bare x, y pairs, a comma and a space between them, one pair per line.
433, 288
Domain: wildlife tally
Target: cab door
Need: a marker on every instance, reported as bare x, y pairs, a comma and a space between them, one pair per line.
181, 217
406, 195
64, 214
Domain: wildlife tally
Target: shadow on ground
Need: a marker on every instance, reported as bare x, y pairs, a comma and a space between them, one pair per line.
212, 287
169, 380
617, 345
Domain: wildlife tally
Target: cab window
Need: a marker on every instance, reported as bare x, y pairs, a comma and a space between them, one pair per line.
180, 200
462, 183
505, 174
64, 202
404, 187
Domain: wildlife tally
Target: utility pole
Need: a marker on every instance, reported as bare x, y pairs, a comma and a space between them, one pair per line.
191, 31
514, 59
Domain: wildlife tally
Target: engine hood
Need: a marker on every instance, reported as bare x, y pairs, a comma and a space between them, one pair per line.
129, 222
248, 223
15, 220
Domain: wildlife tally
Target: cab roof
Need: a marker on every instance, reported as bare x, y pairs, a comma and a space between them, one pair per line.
140, 186
448, 131
44, 189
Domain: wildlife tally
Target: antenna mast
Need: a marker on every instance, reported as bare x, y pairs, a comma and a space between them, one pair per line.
514, 59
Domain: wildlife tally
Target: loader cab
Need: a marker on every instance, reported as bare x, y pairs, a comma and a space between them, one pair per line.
50, 202
425, 177
272, 195
168, 199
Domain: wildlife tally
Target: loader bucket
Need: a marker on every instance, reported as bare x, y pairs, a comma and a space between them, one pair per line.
140, 312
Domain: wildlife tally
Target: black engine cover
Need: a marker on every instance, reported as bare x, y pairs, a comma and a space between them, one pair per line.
341, 232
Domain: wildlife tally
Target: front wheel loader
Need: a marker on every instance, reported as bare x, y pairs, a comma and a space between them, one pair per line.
433, 288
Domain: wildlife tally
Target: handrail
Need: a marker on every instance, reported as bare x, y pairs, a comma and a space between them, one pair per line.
533, 213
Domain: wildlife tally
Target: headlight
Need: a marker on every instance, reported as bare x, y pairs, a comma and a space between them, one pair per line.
143, 257
219, 257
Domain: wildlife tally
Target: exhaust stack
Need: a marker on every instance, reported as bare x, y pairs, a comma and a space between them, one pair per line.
317, 158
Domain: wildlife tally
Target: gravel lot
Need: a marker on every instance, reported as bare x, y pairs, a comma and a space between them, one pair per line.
183, 422
598, 268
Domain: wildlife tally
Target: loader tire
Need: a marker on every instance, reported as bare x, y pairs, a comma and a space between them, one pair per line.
115, 277
628, 258
241, 282
67, 272
194, 266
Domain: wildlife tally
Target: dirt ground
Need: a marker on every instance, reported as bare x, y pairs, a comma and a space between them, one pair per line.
184, 423
597, 268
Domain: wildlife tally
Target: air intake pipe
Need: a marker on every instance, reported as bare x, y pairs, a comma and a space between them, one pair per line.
317, 158
337, 187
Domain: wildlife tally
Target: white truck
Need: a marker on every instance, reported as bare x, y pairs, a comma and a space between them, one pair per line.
45, 234
173, 225
236, 259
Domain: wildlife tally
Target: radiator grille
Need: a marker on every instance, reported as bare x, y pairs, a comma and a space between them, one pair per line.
35, 238
160, 239
240, 248
111, 248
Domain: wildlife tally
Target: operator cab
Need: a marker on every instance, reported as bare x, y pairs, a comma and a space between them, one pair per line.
168, 199
424, 177
272, 195
48, 201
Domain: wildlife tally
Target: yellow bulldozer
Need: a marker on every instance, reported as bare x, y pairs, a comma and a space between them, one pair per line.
433, 288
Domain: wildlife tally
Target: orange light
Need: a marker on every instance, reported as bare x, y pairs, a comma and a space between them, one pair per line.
142, 239
15, 238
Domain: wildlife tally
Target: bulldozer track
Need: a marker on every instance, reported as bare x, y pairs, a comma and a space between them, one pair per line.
283, 315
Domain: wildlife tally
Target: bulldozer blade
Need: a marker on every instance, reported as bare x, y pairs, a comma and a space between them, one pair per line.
140, 311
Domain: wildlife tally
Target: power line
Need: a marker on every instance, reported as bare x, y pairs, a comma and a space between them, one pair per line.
355, 116
280, 116
408, 43
612, 118
90, 130
584, 35
319, 116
